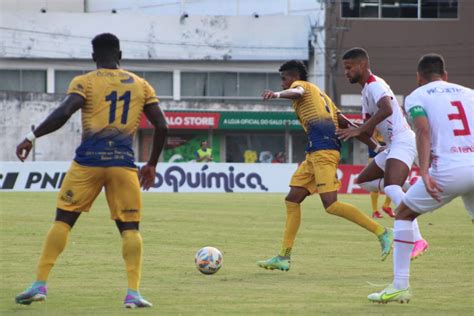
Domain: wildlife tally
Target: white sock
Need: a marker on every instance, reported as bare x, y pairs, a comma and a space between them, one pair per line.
395, 192
403, 245
373, 186
416, 231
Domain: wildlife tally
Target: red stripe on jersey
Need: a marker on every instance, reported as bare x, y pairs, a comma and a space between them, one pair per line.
371, 79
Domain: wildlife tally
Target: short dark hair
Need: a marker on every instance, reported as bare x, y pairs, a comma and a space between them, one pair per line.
105, 44
355, 52
431, 64
296, 66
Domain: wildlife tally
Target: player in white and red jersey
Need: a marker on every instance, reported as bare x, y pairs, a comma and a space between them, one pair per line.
443, 116
389, 170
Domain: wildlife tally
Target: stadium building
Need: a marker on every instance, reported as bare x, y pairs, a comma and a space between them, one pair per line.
209, 70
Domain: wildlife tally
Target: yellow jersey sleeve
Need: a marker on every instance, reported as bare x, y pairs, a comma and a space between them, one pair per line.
78, 86
150, 94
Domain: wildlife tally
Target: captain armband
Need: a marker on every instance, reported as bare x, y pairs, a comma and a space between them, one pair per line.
416, 111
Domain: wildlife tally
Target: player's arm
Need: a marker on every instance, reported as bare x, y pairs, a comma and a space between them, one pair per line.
384, 111
157, 118
365, 138
53, 122
292, 94
423, 146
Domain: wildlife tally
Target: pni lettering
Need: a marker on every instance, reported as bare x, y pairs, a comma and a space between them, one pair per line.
45, 179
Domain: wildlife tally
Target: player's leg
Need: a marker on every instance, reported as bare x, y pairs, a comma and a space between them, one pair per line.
374, 197
399, 290
397, 167
371, 177
78, 191
55, 242
132, 252
386, 206
417, 201
325, 173
122, 190
301, 185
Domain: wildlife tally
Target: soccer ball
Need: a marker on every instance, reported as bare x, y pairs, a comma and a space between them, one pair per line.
208, 260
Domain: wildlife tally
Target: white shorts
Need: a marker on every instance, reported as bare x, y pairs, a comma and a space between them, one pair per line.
454, 182
403, 149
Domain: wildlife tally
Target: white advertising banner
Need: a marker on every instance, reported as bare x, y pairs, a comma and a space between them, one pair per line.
182, 177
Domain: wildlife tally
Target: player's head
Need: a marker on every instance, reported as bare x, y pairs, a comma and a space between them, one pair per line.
291, 71
430, 68
356, 64
204, 144
106, 48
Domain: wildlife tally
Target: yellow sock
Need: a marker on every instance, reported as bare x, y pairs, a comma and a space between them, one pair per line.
132, 248
374, 197
387, 202
54, 244
352, 213
293, 219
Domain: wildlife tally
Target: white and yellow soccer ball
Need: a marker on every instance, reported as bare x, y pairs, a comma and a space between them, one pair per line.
208, 260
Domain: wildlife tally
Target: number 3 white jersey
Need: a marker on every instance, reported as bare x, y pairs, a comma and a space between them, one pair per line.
450, 111
393, 127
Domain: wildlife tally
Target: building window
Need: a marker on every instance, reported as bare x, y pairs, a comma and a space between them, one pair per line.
438, 9
23, 80
162, 82
62, 79
405, 9
227, 85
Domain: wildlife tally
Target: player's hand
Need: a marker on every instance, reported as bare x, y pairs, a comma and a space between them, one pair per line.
23, 149
432, 187
268, 94
147, 176
346, 133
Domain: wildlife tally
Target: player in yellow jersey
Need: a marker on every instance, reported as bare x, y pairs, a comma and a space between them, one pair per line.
111, 101
317, 174
374, 196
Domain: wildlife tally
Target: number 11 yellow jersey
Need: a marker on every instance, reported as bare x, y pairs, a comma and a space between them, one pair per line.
114, 101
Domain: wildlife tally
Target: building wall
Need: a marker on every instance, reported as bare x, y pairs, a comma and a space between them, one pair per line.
22, 110
395, 46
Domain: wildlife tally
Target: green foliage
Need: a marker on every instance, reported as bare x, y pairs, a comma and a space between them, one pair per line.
333, 260
185, 152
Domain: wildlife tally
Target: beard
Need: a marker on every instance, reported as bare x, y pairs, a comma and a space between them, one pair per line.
354, 79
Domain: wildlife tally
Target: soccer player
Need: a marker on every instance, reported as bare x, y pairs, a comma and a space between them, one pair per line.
443, 116
374, 196
111, 101
317, 174
389, 170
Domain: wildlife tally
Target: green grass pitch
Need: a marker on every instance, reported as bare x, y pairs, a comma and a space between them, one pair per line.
333, 260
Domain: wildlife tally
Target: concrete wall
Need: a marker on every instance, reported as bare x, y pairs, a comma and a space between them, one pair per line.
22, 110
145, 37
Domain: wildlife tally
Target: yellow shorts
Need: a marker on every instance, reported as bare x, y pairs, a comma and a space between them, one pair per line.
82, 185
318, 173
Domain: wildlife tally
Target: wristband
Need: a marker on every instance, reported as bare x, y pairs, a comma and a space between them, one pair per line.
30, 136
277, 94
